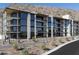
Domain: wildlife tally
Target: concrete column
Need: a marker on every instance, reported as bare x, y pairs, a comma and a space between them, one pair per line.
72, 27
68, 29
47, 27
35, 26
68, 25
28, 27
4, 24
9, 29
17, 26
51, 26
64, 27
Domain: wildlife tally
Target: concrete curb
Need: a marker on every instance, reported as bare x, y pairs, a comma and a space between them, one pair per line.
52, 50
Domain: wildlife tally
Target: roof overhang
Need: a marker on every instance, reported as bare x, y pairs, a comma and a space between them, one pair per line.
10, 10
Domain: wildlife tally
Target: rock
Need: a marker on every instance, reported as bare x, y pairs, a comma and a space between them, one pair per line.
35, 51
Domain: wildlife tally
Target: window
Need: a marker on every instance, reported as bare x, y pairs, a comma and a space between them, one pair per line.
23, 18
32, 23
39, 29
14, 22
14, 29
49, 19
49, 24
32, 17
14, 14
39, 23
32, 29
23, 22
23, 28
13, 35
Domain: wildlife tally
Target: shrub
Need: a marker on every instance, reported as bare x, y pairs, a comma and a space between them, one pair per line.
25, 52
34, 39
45, 48
15, 45
3, 53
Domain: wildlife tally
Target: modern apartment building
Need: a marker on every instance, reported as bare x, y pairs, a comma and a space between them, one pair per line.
24, 21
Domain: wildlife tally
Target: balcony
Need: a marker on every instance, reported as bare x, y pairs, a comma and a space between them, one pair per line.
12, 25
10, 18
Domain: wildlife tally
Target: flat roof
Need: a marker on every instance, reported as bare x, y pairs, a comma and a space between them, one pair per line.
56, 12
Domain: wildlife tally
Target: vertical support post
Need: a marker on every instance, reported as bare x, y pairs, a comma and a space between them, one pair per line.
9, 24
28, 26
72, 27
45, 21
4, 24
64, 27
35, 26
47, 27
68, 30
17, 26
51, 26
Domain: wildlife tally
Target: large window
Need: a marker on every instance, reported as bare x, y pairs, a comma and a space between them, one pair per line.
23, 18
23, 25
14, 21
23, 22
14, 28
41, 26
13, 35
23, 29
57, 26
75, 27
14, 14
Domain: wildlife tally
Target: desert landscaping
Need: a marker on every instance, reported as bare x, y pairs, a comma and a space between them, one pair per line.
32, 46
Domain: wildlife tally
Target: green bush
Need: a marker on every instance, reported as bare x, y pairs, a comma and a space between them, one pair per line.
14, 44
25, 52
34, 39
45, 48
17, 45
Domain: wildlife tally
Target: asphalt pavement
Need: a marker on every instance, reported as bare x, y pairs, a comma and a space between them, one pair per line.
70, 49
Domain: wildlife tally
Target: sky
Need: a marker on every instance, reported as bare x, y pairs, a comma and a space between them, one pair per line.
74, 6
